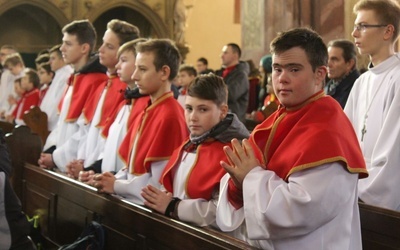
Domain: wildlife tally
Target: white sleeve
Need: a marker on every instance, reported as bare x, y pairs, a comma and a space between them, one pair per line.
275, 209
198, 211
69, 150
131, 187
228, 218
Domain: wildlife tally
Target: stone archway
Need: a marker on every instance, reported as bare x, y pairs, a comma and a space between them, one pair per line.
48, 7
157, 24
30, 28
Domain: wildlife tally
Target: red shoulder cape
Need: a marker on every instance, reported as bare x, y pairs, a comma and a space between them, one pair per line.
206, 171
315, 133
157, 130
27, 100
114, 96
84, 86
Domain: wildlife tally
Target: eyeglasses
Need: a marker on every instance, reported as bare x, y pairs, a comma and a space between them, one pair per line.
363, 27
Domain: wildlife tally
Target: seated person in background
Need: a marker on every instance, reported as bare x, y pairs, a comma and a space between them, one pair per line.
267, 98
14, 68
342, 70
29, 83
157, 131
54, 92
192, 175
13, 101
202, 66
293, 184
186, 74
46, 77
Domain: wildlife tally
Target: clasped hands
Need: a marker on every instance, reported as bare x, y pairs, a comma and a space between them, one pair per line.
241, 159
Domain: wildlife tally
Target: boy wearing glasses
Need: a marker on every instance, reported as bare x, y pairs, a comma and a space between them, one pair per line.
373, 106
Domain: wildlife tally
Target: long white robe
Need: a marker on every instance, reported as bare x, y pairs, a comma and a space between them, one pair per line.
316, 209
200, 212
53, 95
68, 139
111, 160
377, 94
7, 89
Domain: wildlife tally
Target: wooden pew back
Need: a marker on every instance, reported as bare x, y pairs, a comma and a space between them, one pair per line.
380, 228
66, 206
24, 146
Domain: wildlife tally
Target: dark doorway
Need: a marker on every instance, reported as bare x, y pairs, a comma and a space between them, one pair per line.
126, 14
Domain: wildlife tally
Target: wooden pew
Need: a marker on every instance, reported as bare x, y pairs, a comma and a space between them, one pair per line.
380, 228
6, 127
66, 206
24, 147
36, 120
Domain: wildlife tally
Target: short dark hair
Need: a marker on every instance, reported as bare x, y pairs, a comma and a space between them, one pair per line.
203, 60
189, 69
46, 66
209, 87
42, 58
84, 32
124, 30
349, 50
56, 48
387, 12
32, 76
235, 48
306, 39
165, 54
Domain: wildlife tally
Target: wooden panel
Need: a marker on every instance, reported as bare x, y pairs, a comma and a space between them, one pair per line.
380, 228
24, 147
128, 226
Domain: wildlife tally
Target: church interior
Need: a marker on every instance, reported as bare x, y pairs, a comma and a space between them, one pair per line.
199, 28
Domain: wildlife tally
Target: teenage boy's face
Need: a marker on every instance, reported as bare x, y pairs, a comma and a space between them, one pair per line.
184, 78
44, 76
293, 78
18, 89
72, 51
126, 66
147, 79
108, 50
202, 115
56, 62
368, 41
15, 69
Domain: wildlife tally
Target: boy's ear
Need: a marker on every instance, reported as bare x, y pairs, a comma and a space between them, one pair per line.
85, 48
165, 72
224, 111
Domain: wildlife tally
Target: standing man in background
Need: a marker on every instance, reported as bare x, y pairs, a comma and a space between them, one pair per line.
342, 70
235, 74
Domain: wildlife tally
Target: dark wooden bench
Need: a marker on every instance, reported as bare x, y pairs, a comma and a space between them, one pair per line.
380, 228
24, 147
6, 127
66, 206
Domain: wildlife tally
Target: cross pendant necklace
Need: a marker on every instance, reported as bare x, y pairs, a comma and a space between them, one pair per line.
369, 104
364, 129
